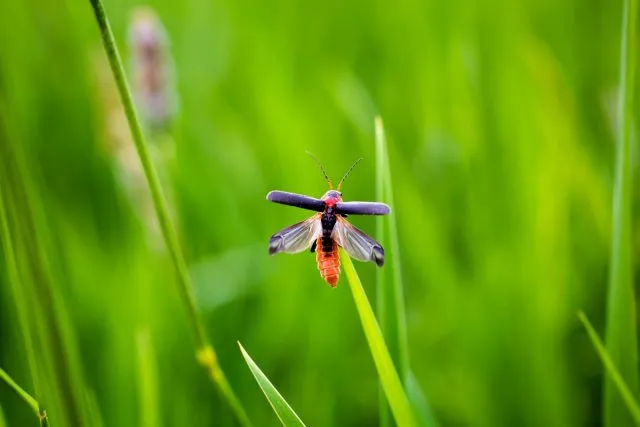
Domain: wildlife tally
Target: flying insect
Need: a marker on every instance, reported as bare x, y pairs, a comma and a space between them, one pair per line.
328, 229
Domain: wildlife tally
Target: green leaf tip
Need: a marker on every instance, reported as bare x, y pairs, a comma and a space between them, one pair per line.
611, 368
283, 410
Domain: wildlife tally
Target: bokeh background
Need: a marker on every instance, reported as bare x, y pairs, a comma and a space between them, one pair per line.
499, 121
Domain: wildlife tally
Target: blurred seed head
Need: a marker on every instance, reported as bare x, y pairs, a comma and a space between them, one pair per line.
152, 69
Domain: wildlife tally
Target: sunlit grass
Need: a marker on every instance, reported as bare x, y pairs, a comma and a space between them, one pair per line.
391, 384
49, 336
283, 410
205, 353
390, 287
147, 380
619, 382
500, 159
30, 401
621, 332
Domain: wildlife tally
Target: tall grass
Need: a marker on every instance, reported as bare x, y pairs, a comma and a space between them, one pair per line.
621, 332
205, 353
391, 384
280, 406
147, 380
33, 404
612, 370
49, 337
500, 152
388, 292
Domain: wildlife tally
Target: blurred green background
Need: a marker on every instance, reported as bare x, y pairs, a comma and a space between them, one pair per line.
499, 121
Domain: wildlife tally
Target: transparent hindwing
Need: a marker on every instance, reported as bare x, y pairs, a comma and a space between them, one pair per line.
357, 244
296, 238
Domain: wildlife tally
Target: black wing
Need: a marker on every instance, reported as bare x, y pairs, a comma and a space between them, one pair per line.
362, 208
357, 244
297, 200
296, 238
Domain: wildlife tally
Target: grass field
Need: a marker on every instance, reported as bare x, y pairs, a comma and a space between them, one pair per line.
507, 158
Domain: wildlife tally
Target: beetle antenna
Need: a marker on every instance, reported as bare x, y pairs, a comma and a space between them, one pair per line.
324, 172
348, 172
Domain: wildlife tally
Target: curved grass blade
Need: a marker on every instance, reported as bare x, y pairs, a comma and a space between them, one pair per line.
620, 331
280, 406
33, 404
390, 290
400, 406
621, 385
205, 353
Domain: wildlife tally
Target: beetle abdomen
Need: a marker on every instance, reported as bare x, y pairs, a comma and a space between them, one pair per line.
328, 260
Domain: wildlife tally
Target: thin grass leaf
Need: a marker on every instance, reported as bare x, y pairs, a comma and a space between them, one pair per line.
621, 385
391, 384
283, 410
18, 290
30, 401
390, 293
33, 404
390, 302
392, 312
27, 245
383, 299
147, 380
205, 353
620, 333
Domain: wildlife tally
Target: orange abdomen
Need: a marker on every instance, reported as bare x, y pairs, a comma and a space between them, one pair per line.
328, 260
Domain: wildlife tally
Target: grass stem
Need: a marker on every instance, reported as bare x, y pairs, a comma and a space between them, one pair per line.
33, 403
620, 333
391, 384
617, 379
205, 353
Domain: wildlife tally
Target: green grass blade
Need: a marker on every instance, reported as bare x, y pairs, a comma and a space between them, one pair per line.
29, 400
390, 293
26, 240
618, 381
620, 333
392, 314
20, 391
147, 380
205, 352
283, 410
391, 384
383, 305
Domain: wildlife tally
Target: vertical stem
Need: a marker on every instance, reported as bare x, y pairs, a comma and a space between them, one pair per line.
391, 309
381, 284
391, 384
205, 352
620, 335
151, 175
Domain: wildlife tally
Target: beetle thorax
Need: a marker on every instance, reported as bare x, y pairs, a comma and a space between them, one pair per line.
332, 197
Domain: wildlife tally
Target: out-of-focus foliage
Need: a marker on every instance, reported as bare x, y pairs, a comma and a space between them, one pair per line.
498, 117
